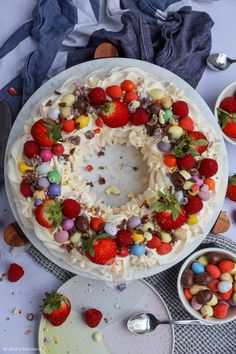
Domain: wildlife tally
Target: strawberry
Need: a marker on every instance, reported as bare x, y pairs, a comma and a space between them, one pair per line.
48, 214
97, 96
97, 224
71, 208
15, 272
208, 167
92, 317
169, 214
124, 238
231, 190
155, 242
186, 162
46, 132
56, 308
139, 117
58, 149
197, 136
130, 96
26, 190
180, 109
114, 91
194, 205
115, 114
186, 123
230, 129
127, 85
228, 104
99, 122
68, 125
100, 249
122, 251
31, 149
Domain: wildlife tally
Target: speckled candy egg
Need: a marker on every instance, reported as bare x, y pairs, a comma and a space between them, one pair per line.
61, 236
43, 168
38, 202
133, 222
198, 268
110, 229
67, 224
46, 155
137, 250
54, 176
54, 190
164, 147
53, 113
43, 182
224, 286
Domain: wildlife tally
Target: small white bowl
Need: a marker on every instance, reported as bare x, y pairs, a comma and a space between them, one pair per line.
228, 91
185, 302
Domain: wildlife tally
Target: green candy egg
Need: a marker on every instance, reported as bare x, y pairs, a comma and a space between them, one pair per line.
157, 93
54, 176
176, 132
168, 114
68, 99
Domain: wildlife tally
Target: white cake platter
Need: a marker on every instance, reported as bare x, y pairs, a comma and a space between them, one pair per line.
83, 70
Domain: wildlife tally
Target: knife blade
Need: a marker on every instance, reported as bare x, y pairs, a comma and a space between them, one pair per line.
5, 128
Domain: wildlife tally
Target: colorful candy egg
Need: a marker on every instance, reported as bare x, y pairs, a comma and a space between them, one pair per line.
110, 229
67, 224
54, 190
46, 155
54, 176
137, 250
24, 168
43, 168
54, 113
68, 99
198, 268
43, 182
133, 222
61, 236
37, 202
207, 311
224, 286
195, 305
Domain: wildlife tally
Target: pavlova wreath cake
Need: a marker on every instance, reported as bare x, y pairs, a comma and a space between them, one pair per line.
124, 106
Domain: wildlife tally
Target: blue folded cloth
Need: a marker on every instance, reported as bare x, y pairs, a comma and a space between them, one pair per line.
63, 33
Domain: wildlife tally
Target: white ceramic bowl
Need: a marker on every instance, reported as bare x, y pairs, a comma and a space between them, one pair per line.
210, 320
229, 90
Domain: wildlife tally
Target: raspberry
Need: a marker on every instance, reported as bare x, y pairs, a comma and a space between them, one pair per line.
25, 190
130, 96
186, 162
97, 96
180, 108
58, 149
124, 238
194, 205
15, 272
92, 317
70, 208
228, 104
208, 167
155, 242
31, 149
123, 251
139, 117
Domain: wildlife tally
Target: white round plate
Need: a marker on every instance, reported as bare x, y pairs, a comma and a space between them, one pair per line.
74, 336
83, 70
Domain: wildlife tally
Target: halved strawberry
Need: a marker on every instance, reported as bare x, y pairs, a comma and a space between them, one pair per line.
199, 141
231, 190
195, 143
100, 249
56, 308
49, 214
46, 132
169, 213
115, 114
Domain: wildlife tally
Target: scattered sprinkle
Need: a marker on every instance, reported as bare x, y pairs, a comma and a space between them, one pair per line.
106, 319
101, 180
16, 311
135, 168
27, 332
30, 317
121, 287
55, 340
46, 340
89, 168
12, 91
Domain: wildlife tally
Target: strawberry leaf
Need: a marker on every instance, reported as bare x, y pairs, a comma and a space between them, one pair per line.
200, 142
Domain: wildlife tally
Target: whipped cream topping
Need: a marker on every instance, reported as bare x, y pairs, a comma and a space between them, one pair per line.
74, 184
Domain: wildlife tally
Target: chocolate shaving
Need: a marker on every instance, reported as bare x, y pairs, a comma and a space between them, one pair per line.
62, 104
49, 103
101, 167
101, 153
89, 134
57, 93
75, 140
90, 184
66, 157
72, 151
101, 180
135, 168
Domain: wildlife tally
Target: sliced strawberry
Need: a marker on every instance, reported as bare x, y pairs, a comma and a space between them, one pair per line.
48, 214
231, 189
230, 129
155, 242
228, 104
186, 123
198, 137
208, 167
169, 214
31, 149
124, 238
100, 249
115, 114
46, 132
92, 317
56, 308
114, 91
97, 223
180, 109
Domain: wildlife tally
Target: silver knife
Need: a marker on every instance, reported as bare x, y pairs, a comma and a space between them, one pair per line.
5, 128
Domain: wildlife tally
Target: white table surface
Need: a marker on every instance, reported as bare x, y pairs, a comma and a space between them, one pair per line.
16, 332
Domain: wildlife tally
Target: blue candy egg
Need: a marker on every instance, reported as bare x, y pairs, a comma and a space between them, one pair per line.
53, 113
137, 250
54, 190
37, 202
110, 229
198, 268
224, 286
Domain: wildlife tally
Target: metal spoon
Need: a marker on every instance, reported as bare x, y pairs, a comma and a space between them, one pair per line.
143, 323
219, 61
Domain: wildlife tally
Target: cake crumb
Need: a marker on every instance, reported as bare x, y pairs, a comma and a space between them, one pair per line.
97, 337
16, 311
114, 190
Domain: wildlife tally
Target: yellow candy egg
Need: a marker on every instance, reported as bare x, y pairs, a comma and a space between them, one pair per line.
24, 168
166, 102
137, 236
176, 132
206, 311
203, 260
213, 301
83, 121
157, 94
39, 195
192, 219
68, 99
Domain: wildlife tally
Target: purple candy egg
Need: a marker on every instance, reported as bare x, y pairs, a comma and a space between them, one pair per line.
54, 190
198, 180
46, 155
67, 224
195, 305
37, 202
204, 195
61, 236
164, 147
43, 182
133, 222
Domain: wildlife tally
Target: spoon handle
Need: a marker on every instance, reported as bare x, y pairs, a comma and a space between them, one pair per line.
183, 322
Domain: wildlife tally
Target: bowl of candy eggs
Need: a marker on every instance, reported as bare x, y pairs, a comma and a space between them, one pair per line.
225, 112
207, 285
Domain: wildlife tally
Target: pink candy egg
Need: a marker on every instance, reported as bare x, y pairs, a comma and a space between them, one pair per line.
195, 305
67, 224
204, 195
46, 155
61, 236
198, 180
